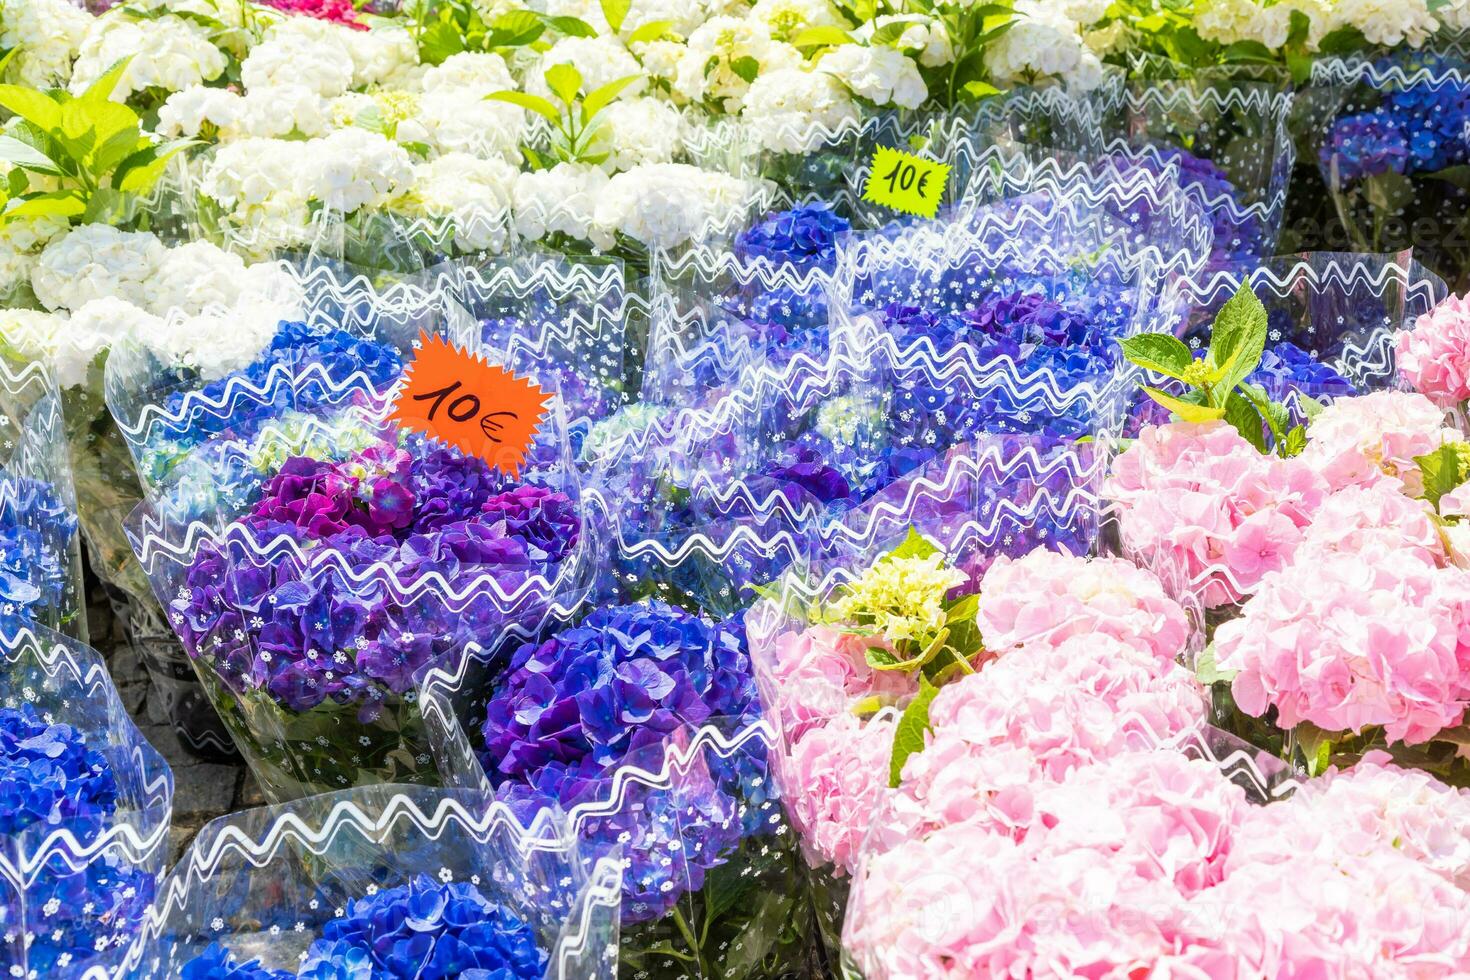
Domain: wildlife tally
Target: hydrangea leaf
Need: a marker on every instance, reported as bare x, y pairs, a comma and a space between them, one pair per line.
908, 735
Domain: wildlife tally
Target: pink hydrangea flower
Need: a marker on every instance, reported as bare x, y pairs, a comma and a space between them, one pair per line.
1375, 805
1371, 520
1045, 597
1345, 639
1199, 502
832, 782
812, 675
1435, 356
1100, 888
1340, 914
1372, 437
1026, 719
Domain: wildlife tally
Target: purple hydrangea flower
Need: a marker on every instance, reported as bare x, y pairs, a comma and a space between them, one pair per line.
801, 235
1364, 145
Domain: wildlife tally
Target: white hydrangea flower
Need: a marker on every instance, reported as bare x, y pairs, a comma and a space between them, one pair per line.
1386, 22
792, 111
707, 66
1044, 43
925, 35
168, 53
683, 16
473, 74
219, 339
667, 204
600, 60
21, 242
660, 58
253, 181
96, 261
450, 121
319, 62
644, 130
49, 34
189, 112
562, 200
43, 337
1230, 21
193, 276
1085, 13
473, 194
351, 169
881, 75
787, 18
1105, 40
380, 53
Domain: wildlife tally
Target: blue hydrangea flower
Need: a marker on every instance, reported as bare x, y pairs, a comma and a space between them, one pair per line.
424, 930
802, 235
36, 531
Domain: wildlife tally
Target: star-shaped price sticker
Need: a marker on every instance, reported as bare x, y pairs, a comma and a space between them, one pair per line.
906, 182
459, 398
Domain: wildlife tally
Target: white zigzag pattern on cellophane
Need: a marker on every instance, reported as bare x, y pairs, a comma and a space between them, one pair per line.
130, 836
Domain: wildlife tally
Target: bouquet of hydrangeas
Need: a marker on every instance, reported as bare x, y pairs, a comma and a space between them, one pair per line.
86, 804
855, 657
641, 721
315, 558
386, 881
40, 569
1225, 129
1392, 153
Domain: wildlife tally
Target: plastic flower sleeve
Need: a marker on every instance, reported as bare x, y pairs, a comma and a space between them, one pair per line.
86, 813
314, 557
1332, 318
711, 885
545, 314
1226, 129
1390, 147
444, 880
40, 564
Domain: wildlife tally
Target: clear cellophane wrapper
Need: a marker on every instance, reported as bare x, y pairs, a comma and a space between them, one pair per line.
712, 883
273, 884
1388, 136
76, 883
1226, 129
306, 638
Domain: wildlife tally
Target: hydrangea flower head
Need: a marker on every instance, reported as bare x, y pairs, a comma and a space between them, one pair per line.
1435, 355
899, 598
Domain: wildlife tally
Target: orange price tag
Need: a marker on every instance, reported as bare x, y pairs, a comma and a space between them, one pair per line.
479, 408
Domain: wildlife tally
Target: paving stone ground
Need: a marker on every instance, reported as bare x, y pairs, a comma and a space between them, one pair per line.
202, 790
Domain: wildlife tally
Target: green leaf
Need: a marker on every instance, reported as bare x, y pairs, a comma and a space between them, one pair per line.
1187, 411
564, 81
1207, 672
602, 96
1310, 406
615, 12
104, 206
1248, 51
538, 105
32, 106
570, 26
725, 886
651, 31
439, 42
747, 68
1159, 352
61, 204
978, 90
1295, 442
908, 735
1442, 471
890, 32
27, 157
514, 29
138, 178
1241, 412
1344, 40
914, 545
1238, 338
881, 658
963, 609
100, 91
817, 37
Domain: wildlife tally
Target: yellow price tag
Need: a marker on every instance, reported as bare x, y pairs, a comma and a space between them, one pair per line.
905, 182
